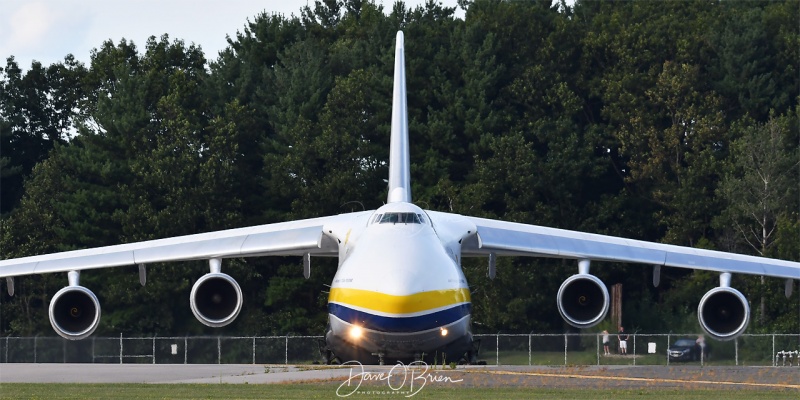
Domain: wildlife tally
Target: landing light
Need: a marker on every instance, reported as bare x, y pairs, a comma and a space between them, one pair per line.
356, 332
443, 331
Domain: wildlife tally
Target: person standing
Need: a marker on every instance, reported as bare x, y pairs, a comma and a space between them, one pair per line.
701, 343
623, 341
606, 343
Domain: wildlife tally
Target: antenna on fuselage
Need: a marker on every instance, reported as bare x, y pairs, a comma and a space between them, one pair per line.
399, 159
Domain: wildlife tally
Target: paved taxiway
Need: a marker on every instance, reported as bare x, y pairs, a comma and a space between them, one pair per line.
787, 378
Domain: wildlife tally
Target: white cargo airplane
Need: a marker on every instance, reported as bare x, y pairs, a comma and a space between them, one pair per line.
399, 292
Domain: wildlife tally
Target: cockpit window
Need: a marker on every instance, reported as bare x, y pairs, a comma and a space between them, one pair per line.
400, 218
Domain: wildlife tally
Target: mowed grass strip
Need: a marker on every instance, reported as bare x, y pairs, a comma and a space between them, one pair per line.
328, 391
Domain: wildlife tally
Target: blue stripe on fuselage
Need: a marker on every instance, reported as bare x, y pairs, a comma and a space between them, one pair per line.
400, 324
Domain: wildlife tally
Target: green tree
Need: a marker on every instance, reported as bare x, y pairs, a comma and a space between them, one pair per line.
38, 109
760, 185
746, 71
760, 192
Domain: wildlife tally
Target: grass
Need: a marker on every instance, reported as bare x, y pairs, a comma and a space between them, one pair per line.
590, 358
328, 390
573, 358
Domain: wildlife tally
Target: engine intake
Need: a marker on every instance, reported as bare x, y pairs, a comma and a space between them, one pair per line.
74, 312
583, 300
723, 313
216, 299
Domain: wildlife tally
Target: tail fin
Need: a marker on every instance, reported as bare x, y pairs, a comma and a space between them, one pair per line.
399, 160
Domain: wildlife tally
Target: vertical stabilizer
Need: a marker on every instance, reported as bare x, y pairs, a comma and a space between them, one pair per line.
399, 160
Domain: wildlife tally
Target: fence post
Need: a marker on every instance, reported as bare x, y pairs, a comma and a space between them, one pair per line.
254, 349
185, 350
565, 349
219, 351
6, 349
668, 342
529, 349
736, 346
497, 349
120, 347
634, 349
154, 349
35, 344
286, 351
774, 355
597, 339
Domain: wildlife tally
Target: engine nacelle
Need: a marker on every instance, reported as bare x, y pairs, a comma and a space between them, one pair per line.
583, 300
723, 313
216, 299
74, 312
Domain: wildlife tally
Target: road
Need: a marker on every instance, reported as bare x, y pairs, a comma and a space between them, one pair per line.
624, 377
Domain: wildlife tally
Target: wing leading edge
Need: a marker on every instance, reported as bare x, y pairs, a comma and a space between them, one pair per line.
515, 239
280, 239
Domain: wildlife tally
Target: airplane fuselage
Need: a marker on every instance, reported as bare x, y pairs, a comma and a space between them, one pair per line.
399, 292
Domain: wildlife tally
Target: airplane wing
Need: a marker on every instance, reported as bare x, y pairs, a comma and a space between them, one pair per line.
514, 239
279, 239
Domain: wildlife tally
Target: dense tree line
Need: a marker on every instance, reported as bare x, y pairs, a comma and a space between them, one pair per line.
672, 122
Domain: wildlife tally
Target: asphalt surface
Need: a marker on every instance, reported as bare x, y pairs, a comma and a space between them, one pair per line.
623, 377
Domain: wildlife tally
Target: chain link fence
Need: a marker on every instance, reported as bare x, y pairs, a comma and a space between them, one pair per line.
496, 349
643, 349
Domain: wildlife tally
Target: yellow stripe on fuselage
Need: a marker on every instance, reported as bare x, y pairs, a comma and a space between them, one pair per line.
392, 304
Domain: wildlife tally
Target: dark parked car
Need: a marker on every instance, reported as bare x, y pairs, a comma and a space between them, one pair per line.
687, 350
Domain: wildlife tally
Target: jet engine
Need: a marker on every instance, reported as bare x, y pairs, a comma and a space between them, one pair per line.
583, 300
74, 312
216, 299
723, 313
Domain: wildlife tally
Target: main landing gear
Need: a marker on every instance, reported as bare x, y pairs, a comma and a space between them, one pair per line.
326, 354
471, 356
